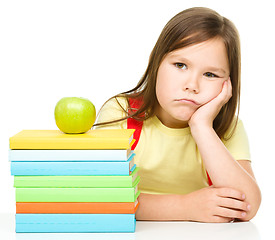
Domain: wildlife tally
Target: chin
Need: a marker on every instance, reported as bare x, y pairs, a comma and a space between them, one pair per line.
184, 116
181, 120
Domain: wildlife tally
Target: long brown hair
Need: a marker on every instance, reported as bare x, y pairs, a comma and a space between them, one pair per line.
191, 26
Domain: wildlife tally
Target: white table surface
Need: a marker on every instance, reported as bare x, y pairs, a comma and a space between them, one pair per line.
254, 230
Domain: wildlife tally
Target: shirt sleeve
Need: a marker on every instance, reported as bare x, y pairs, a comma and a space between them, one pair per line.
113, 109
238, 144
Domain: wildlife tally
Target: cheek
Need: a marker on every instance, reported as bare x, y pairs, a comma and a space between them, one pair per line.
161, 94
163, 85
211, 91
167, 82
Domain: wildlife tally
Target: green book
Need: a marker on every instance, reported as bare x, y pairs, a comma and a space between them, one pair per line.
77, 181
77, 194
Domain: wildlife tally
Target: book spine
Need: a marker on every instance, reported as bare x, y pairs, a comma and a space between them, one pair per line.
69, 155
76, 194
70, 223
75, 181
71, 168
84, 207
77, 143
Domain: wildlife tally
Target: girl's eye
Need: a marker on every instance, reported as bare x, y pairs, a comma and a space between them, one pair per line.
210, 75
180, 65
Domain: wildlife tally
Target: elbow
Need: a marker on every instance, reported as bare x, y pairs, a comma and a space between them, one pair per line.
255, 202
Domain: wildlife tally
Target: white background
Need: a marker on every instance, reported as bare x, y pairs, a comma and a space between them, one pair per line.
95, 49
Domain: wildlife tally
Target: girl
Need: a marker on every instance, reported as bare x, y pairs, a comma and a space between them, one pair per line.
188, 102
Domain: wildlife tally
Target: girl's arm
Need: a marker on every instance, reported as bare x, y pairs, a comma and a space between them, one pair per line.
205, 205
223, 169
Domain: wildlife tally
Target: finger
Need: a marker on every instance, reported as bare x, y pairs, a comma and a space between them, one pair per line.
230, 193
230, 213
219, 219
233, 204
224, 88
229, 89
222, 98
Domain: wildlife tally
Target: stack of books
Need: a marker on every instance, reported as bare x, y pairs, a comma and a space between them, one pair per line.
74, 182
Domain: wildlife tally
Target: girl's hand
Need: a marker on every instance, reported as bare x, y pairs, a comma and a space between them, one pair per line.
212, 204
205, 115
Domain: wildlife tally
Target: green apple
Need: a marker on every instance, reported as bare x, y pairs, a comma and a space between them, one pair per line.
74, 115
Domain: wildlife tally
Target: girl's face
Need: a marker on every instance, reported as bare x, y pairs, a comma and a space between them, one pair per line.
189, 78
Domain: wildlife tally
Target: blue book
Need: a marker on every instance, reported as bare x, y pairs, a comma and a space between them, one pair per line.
75, 223
73, 168
70, 155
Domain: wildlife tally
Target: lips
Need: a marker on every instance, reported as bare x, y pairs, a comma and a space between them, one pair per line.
186, 100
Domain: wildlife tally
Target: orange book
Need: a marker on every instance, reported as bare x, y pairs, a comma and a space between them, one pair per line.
77, 207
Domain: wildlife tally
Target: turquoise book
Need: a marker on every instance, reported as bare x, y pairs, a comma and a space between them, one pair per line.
75, 223
73, 168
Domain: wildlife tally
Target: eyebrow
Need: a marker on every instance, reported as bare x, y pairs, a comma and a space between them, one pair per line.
184, 60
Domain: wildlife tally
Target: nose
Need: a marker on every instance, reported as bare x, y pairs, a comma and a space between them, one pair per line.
191, 84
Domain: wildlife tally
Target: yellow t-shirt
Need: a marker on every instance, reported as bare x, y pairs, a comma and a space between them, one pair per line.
169, 160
